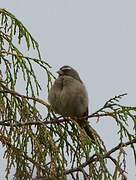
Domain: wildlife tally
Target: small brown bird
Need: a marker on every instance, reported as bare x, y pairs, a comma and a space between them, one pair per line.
68, 97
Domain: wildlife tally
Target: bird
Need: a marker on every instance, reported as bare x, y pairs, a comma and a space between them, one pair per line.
68, 97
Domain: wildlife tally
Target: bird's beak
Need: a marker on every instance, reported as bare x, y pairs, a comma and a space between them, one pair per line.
60, 72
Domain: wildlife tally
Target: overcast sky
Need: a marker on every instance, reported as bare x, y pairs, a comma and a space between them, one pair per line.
97, 37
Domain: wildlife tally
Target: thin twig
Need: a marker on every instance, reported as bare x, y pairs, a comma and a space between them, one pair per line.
22, 56
4, 140
96, 114
14, 93
118, 167
96, 158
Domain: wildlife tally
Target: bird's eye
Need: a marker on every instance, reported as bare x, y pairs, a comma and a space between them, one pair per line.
60, 75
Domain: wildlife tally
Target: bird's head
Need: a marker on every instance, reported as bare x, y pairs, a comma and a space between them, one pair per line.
69, 71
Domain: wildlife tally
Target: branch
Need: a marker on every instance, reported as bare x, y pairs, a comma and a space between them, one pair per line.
99, 113
2, 53
14, 93
19, 124
5, 142
121, 171
96, 158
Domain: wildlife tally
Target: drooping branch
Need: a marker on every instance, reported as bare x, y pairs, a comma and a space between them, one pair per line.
99, 113
14, 93
117, 165
96, 158
5, 142
93, 158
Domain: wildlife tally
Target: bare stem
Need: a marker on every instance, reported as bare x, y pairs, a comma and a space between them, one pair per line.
96, 158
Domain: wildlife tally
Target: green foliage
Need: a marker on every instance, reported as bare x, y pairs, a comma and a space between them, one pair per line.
13, 35
47, 146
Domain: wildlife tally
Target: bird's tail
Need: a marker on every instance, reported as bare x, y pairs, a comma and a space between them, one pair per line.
88, 129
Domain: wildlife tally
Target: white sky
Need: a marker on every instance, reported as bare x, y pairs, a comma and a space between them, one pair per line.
98, 38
